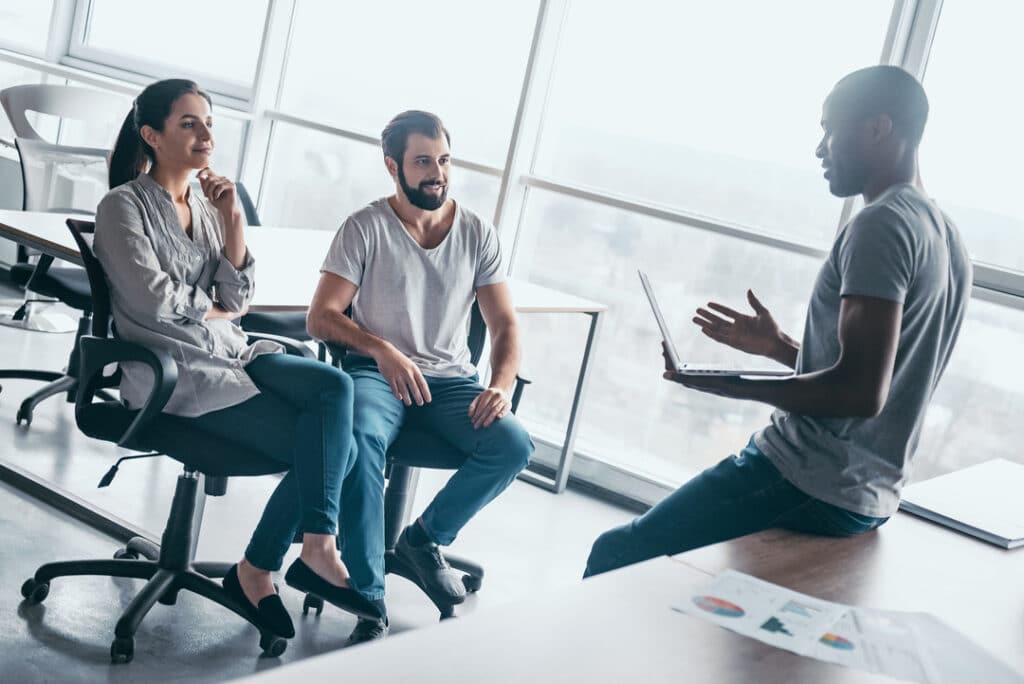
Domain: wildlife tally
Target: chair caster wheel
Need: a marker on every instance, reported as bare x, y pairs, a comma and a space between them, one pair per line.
273, 646
23, 415
125, 554
34, 592
122, 650
447, 612
169, 598
312, 602
472, 583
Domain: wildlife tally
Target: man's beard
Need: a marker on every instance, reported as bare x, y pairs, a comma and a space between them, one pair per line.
418, 197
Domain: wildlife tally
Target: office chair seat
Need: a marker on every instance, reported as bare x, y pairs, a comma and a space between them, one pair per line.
418, 448
284, 323
178, 438
70, 285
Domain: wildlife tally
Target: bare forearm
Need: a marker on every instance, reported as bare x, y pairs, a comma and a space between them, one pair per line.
504, 359
827, 393
234, 238
331, 326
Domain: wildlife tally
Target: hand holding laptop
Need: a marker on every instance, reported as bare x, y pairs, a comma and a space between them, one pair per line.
748, 331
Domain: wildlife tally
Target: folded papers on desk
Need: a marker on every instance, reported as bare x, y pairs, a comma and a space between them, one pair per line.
984, 500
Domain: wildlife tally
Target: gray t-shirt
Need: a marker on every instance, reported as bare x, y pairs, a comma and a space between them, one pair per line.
417, 299
900, 248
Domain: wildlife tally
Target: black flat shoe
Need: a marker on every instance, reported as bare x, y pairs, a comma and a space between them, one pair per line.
270, 612
300, 577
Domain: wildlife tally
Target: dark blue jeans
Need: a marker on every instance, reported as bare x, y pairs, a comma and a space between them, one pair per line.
494, 456
741, 495
303, 418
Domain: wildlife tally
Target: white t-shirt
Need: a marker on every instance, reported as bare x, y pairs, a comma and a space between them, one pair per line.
902, 248
417, 299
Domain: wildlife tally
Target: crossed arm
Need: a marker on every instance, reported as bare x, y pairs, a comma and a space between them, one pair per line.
856, 385
327, 321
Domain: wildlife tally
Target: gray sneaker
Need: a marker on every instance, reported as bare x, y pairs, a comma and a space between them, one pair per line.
438, 578
368, 630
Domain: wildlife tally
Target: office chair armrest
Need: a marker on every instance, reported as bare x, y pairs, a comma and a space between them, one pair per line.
291, 346
337, 352
517, 391
97, 353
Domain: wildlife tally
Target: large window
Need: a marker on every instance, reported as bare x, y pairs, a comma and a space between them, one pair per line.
633, 418
25, 25
217, 43
356, 64
708, 107
973, 144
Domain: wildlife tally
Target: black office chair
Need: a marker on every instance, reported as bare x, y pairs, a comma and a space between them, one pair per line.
68, 284
284, 323
417, 448
170, 567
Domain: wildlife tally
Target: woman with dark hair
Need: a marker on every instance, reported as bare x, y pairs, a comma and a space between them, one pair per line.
179, 274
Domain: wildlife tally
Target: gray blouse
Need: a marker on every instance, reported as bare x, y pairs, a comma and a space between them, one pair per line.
162, 284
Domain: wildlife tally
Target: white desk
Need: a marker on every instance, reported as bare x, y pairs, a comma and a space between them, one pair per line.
616, 628
288, 268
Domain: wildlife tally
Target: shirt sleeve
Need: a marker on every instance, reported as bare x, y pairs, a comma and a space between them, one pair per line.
876, 256
488, 264
347, 254
233, 287
145, 291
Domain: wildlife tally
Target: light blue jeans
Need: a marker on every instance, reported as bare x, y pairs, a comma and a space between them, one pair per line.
495, 455
741, 495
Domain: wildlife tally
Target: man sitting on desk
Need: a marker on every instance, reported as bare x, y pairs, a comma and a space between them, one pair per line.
882, 321
410, 265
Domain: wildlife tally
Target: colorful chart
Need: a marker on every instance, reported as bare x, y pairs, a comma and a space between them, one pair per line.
717, 606
836, 641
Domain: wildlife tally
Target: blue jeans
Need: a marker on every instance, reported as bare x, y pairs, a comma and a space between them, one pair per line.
495, 455
741, 495
303, 418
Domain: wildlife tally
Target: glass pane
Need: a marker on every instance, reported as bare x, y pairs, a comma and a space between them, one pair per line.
975, 414
26, 24
632, 417
697, 106
227, 35
461, 59
973, 142
315, 180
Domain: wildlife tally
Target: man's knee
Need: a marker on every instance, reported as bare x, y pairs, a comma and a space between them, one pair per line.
514, 446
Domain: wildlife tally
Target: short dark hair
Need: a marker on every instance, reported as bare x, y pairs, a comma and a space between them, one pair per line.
131, 154
395, 136
887, 90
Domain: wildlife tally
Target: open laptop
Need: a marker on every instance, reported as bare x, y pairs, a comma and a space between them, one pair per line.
697, 368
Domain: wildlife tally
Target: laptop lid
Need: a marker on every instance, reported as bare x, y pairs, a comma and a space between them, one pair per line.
670, 346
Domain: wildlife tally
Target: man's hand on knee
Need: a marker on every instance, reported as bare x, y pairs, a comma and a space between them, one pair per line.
489, 405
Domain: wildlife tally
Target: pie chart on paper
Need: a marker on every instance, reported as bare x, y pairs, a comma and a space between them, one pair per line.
717, 606
837, 642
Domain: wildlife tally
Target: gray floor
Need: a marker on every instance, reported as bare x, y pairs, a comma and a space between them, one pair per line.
529, 540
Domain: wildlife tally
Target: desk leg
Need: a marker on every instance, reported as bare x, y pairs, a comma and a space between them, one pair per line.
565, 460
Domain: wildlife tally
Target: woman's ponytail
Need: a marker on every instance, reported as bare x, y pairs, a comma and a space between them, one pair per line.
127, 160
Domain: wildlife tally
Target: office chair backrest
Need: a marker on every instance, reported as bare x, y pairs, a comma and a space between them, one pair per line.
248, 206
477, 334
61, 178
65, 102
80, 229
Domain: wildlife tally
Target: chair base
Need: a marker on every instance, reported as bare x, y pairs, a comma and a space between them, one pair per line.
162, 585
36, 320
168, 569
